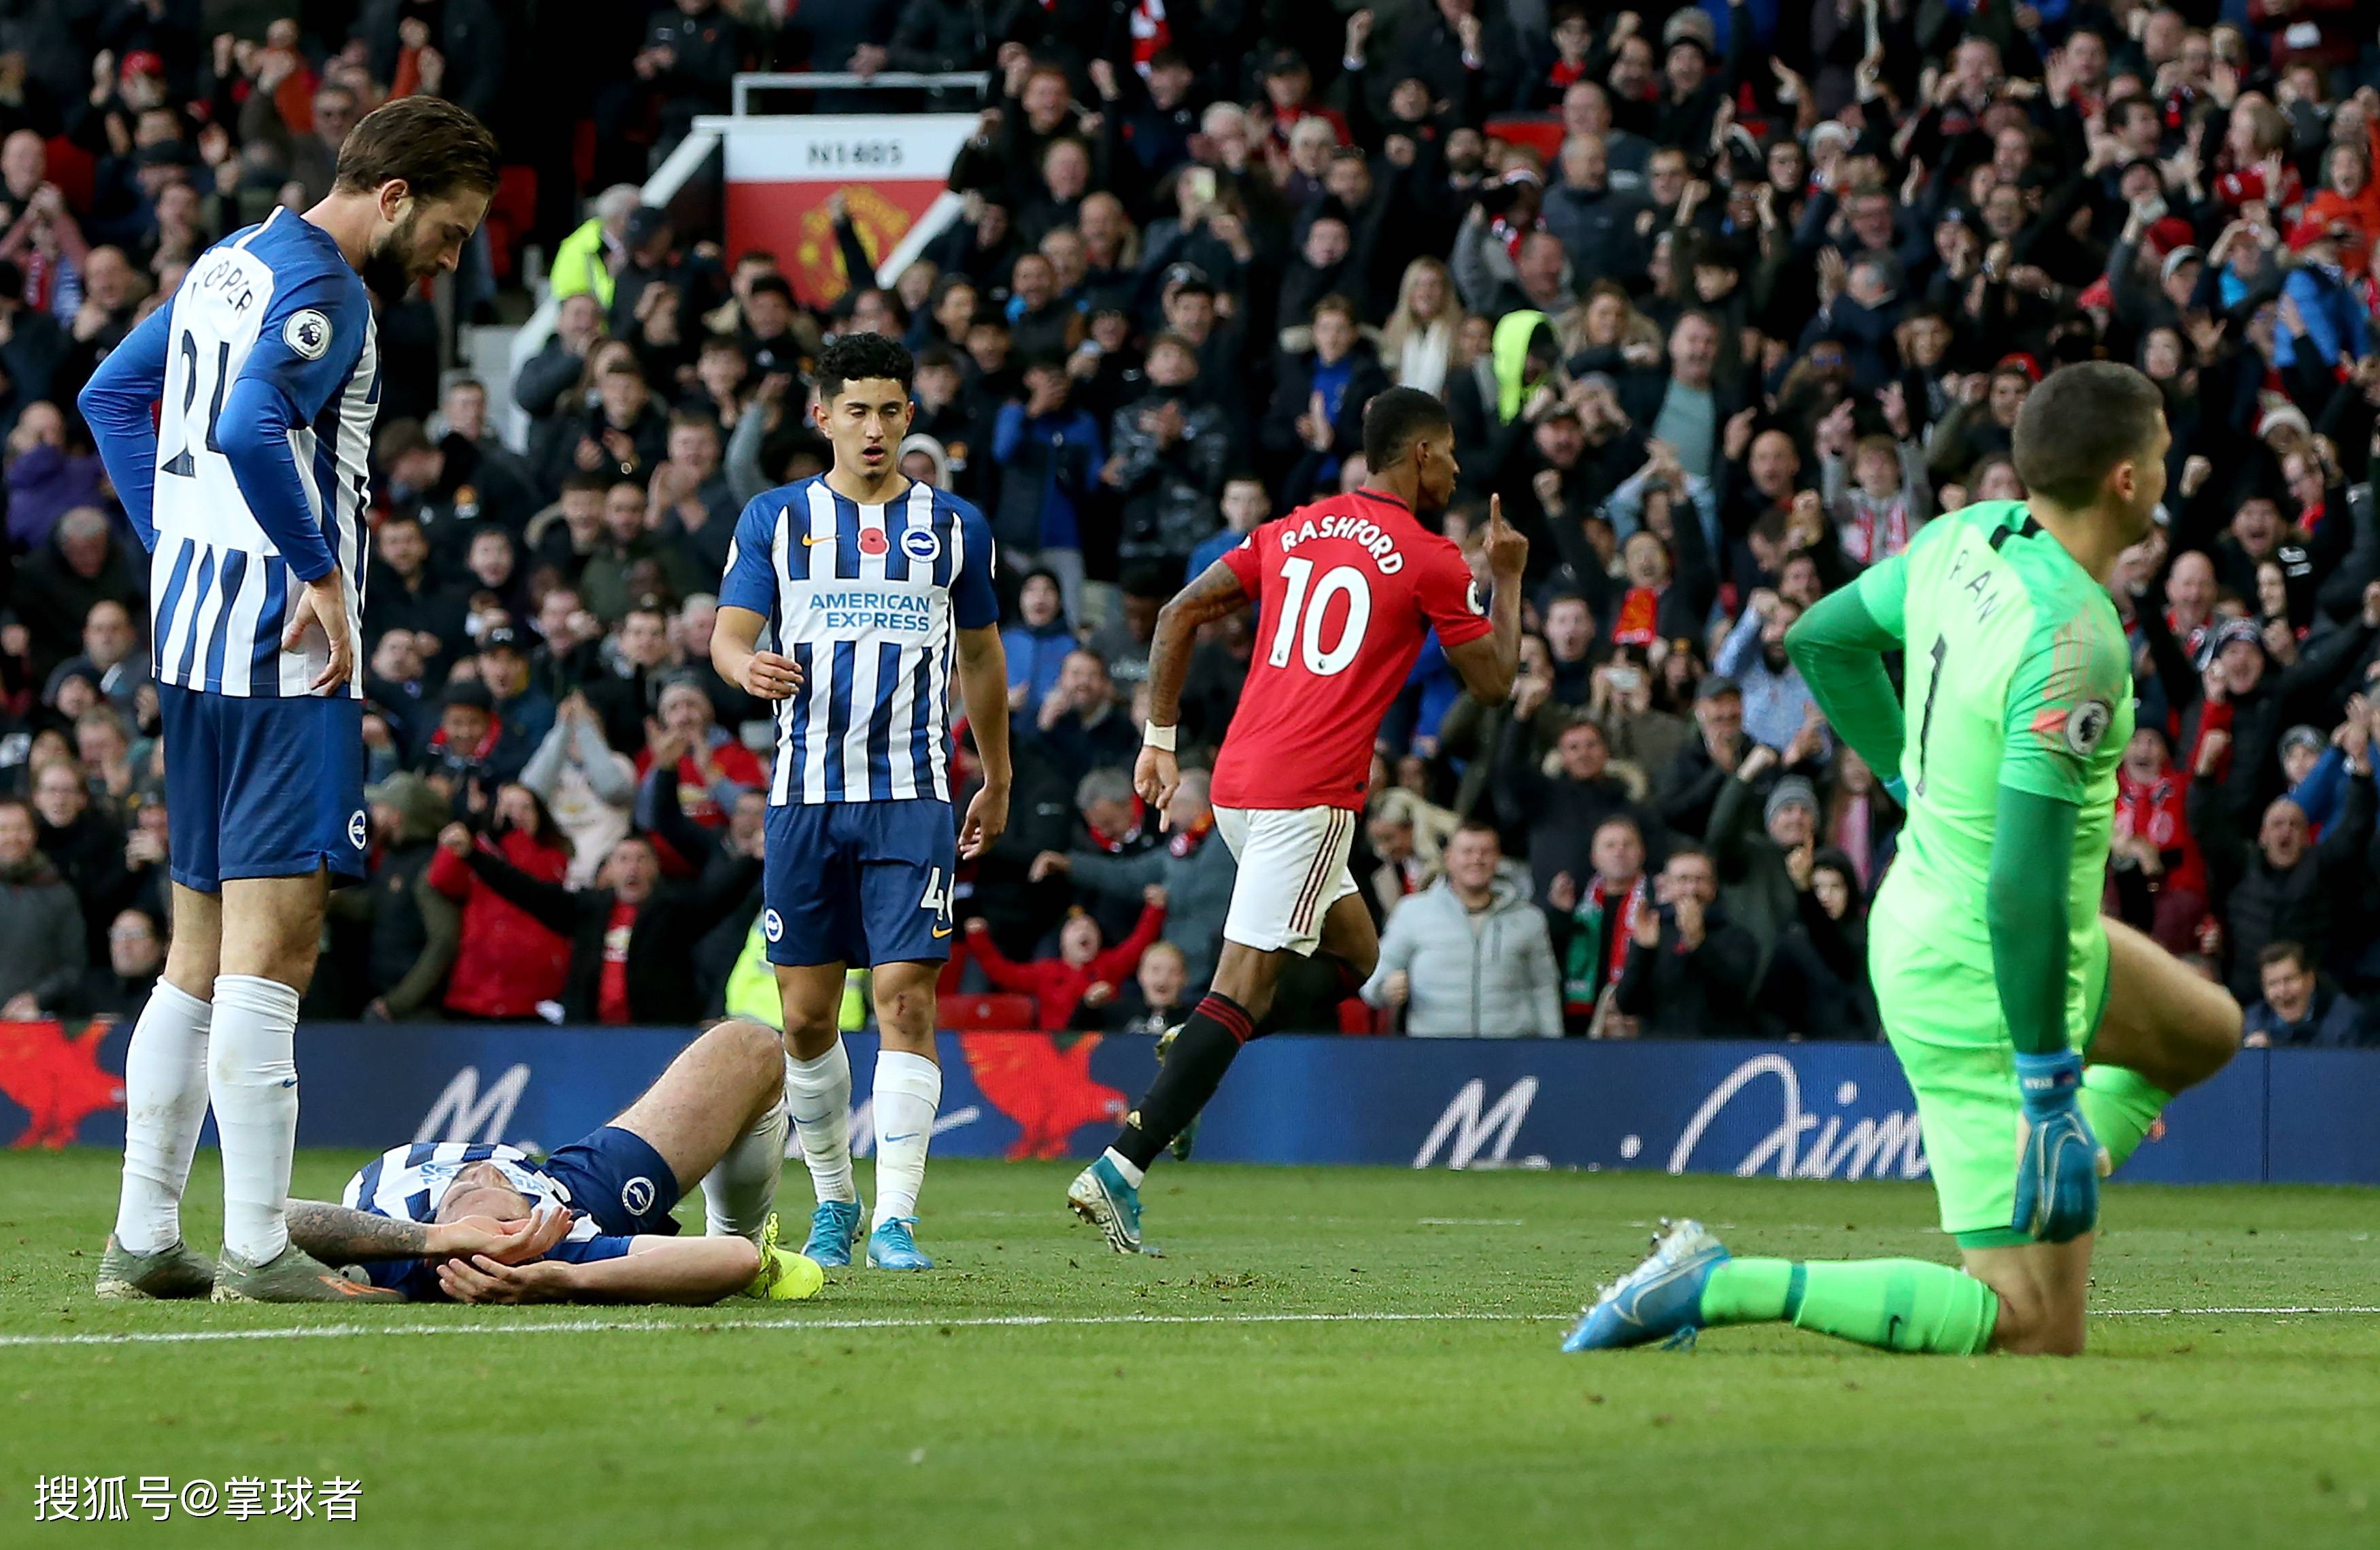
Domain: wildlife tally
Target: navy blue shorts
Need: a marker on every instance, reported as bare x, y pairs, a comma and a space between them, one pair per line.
260, 788
615, 1176
859, 883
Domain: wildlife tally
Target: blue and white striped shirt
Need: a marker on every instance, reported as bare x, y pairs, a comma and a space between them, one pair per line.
867, 601
266, 370
408, 1183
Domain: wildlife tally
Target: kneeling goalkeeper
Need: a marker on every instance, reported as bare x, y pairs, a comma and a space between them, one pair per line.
2041, 1040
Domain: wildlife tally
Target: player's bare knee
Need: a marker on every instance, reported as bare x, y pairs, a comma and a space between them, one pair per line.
810, 1034
192, 971
269, 955
906, 1014
754, 1050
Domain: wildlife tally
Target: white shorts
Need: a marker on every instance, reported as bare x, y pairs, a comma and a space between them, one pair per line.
1292, 869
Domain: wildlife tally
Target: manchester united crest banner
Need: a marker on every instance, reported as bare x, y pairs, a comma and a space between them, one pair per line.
889, 169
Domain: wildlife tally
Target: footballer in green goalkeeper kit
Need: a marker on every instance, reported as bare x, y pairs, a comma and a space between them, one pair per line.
2041, 1040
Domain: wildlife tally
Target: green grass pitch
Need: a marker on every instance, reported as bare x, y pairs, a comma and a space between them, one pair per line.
1326, 1357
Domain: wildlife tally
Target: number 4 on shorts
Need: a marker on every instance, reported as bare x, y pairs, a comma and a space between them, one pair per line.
938, 897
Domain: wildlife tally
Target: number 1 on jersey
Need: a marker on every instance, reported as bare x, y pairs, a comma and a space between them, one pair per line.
1926, 719
1299, 608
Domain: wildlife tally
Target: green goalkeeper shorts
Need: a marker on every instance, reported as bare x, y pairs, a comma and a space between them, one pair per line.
1941, 1010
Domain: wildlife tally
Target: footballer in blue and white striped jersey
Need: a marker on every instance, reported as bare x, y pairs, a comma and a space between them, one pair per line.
854, 601
865, 600
265, 369
485, 1223
273, 308
235, 424
409, 1184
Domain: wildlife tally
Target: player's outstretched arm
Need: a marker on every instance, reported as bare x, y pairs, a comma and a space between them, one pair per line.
1839, 646
692, 1271
1489, 664
1217, 593
983, 689
120, 403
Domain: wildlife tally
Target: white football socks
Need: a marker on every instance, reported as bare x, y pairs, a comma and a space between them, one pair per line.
817, 1096
908, 1092
165, 1108
741, 1189
253, 1081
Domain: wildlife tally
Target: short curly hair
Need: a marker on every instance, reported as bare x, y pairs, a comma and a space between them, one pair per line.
858, 358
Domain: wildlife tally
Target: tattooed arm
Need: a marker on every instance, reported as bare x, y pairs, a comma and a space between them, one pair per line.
336, 1234
333, 1234
1217, 593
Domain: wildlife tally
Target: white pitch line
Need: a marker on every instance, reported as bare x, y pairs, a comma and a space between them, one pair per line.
1011, 1321
2220, 1312
572, 1326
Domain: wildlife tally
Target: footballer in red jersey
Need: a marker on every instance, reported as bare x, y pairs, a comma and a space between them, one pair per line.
1349, 588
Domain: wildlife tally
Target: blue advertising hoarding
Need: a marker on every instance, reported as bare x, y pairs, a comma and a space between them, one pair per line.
1810, 1110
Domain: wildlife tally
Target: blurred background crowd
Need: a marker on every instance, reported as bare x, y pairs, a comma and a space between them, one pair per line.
1726, 303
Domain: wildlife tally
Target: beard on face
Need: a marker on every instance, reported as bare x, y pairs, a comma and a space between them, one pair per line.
388, 269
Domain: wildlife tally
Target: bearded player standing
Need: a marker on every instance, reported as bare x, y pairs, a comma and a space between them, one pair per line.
1349, 587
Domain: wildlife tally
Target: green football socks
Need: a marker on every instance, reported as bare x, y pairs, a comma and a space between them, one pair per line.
2121, 1105
1894, 1305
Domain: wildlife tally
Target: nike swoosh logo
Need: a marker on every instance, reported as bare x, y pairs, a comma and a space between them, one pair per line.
290, 1082
812, 540
941, 931
910, 1135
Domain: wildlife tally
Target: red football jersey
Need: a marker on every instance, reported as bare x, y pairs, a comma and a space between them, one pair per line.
1348, 588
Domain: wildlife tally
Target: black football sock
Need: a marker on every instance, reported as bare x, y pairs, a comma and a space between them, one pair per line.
1193, 1067
1346, 985
1350, 983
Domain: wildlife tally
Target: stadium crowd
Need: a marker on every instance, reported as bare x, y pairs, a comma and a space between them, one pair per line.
1726, 301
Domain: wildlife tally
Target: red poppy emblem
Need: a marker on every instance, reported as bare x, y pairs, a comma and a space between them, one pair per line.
871, 541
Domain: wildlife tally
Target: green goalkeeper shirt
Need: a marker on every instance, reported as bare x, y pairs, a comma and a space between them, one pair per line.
2018, 700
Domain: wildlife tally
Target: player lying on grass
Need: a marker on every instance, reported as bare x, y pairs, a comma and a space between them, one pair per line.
1998, 979
591, 1222
1350, 586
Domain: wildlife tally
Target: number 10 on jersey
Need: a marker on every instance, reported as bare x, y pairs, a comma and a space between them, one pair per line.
1301, 617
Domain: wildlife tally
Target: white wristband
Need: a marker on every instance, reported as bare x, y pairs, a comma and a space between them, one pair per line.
1158, 738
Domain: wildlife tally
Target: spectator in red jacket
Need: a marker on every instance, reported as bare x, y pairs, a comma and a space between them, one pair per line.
2158, 879
509, 961
1081, 973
